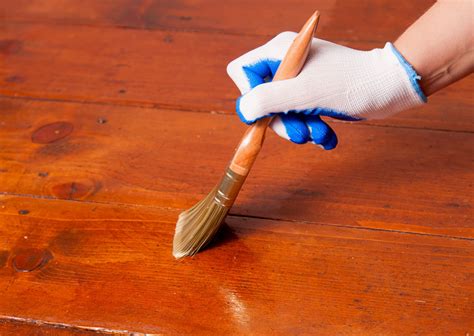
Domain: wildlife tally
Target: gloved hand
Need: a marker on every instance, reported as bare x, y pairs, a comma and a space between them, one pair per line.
335, 81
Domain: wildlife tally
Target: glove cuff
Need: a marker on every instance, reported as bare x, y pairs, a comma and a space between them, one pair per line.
410, 71
393, 88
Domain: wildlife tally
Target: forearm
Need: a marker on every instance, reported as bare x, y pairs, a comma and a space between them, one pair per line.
440, 44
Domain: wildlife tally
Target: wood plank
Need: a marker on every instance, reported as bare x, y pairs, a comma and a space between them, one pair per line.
378, 177
111, 266
351, 21
25, 327
179, 70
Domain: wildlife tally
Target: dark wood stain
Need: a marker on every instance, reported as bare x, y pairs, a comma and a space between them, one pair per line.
10, 46
62, 148
75, 190
52, 132
15, 79
28, 260
4, 257
308, 193
67, 242
168, 39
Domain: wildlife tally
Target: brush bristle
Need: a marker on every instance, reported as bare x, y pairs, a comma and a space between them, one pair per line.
197, 226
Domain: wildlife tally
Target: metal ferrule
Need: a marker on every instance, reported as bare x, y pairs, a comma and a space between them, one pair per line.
229, 188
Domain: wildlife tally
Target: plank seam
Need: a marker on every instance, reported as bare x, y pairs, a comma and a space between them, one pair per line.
219, 112
354, 227
51, 198
58, 325
175, 30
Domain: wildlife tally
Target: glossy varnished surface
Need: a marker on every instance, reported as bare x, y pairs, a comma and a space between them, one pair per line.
261, 18
112, 267
164, 68
394, 178
117, 115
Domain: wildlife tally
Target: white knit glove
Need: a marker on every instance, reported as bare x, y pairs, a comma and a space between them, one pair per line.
336, 81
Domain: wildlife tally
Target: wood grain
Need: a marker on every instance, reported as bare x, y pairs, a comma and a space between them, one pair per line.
349, 20
385, 178
162, 69
116, 115
112, 267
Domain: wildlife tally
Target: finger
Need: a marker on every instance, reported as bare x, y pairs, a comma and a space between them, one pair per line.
247, 75
250, 69
320, 132
261, 72
291, 127
267, 99
252, 75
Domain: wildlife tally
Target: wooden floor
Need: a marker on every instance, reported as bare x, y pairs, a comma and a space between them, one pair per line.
115, 115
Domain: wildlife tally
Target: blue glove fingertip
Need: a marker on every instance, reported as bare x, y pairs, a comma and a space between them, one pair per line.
321, 133
296, 128
331, 143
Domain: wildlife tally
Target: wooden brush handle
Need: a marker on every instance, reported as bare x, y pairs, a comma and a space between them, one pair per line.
292, 63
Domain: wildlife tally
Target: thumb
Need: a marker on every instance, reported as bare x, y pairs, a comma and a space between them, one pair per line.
266, 99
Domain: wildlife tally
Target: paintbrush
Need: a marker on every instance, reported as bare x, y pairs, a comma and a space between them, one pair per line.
198, 225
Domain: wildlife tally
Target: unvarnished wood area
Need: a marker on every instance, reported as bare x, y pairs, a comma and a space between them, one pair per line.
116, 115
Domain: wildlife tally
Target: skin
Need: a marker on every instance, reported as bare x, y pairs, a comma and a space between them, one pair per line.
440, 44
